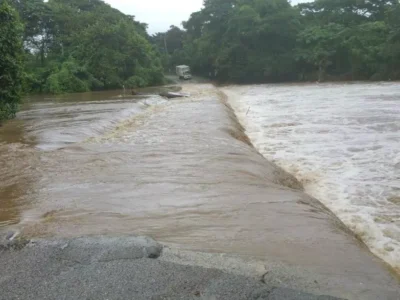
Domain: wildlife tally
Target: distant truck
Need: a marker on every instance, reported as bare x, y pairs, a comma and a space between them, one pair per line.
183, 72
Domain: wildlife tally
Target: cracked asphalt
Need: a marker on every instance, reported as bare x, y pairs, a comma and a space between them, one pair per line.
119, 268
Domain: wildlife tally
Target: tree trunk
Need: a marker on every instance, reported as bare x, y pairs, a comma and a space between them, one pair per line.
42, 54
165, 44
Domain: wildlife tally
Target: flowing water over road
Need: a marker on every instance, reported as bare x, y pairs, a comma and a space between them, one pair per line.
342, 141
45, 127
183, 172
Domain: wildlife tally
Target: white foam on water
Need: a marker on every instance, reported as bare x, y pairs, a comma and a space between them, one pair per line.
342, 141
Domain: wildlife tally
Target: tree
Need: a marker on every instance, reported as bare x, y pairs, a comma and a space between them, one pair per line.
81, 45
318, 45
392, 50
348, 37
11, 64
243, 40
366, 44
169, 44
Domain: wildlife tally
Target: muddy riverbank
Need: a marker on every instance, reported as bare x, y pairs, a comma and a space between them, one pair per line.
182, 172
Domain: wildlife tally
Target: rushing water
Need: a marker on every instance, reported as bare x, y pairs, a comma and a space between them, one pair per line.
45, 125
342, 141
184, 172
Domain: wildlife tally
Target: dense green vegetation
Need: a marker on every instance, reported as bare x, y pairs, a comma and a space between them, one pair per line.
82, 45
272, 41
11, 52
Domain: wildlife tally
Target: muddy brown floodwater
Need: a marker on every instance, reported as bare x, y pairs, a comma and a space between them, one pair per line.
182, 172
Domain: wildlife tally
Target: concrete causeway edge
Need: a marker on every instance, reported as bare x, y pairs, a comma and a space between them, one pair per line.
101, 267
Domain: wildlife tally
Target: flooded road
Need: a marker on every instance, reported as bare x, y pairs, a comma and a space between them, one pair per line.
182, 172
342, 141
44, 127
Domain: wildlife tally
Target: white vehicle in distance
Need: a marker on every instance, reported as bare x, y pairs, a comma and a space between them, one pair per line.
183, 72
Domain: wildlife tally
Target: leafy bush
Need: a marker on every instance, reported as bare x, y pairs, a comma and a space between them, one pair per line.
66, 80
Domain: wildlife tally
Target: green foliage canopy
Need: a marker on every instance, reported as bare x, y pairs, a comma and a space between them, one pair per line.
11, 63
82, 45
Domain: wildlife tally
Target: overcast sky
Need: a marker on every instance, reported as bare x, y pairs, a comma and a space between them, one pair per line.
160, 14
